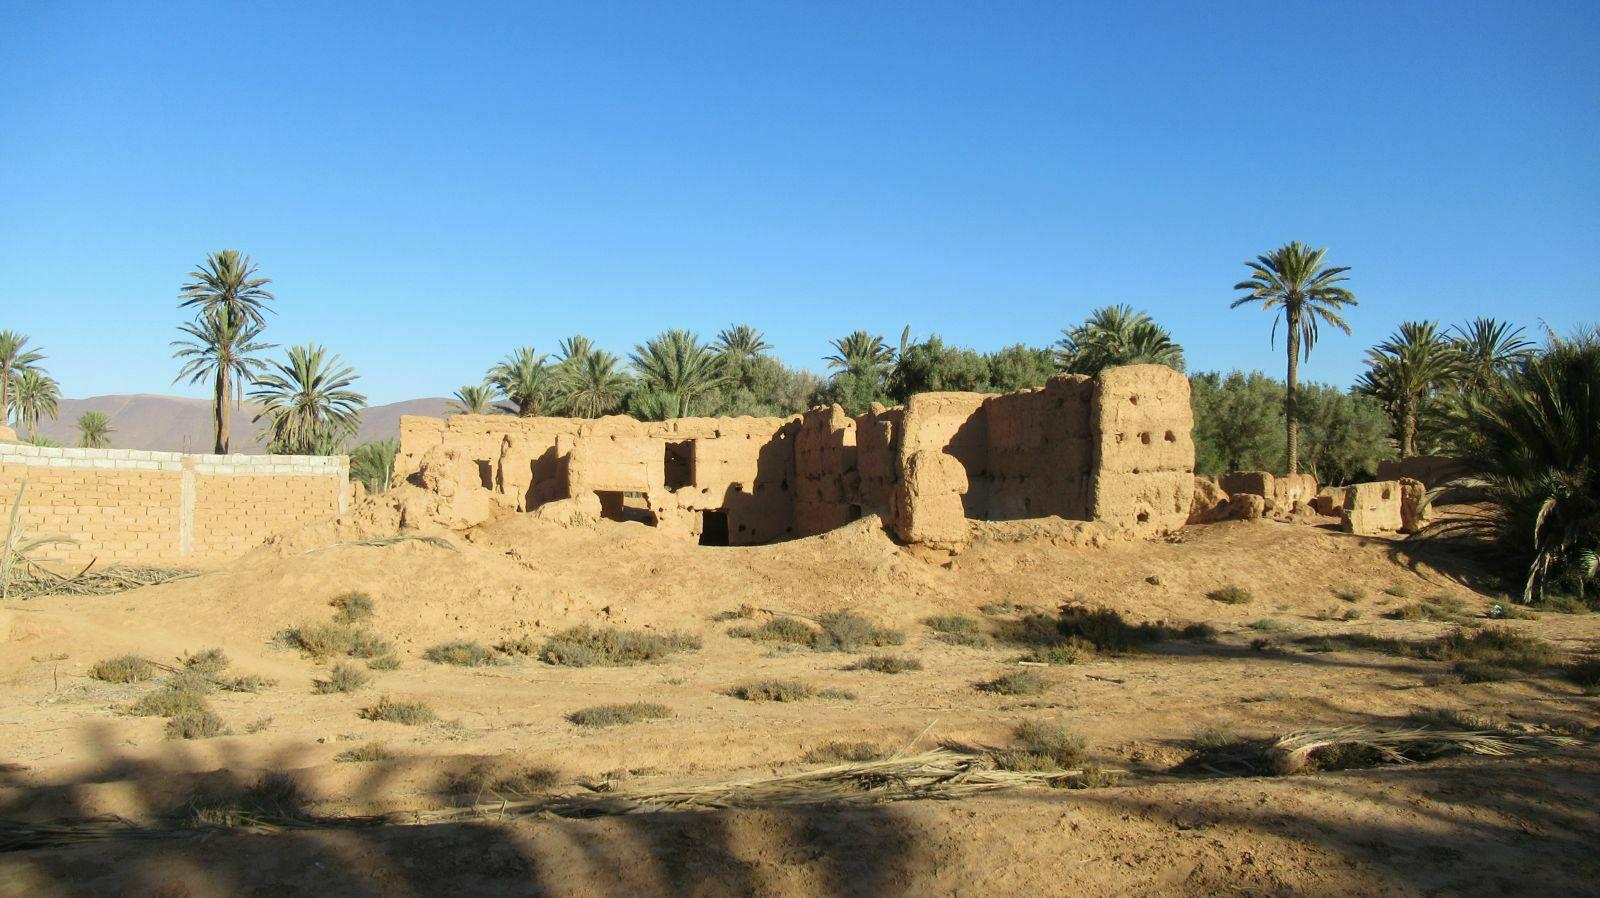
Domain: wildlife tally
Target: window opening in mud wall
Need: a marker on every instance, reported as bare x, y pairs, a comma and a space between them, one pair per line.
713, 528
616, 505
679, 464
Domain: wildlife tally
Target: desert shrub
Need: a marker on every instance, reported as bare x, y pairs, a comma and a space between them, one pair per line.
527, 781
953, 623
177, 696
1398, 590
461, 653
1565, 603
195, 723
352, 607
333, 639
845, 753
743, 612
274, 798
246, 683
1350, 593
1481, 672
408, 713
1266, 625
1585, 673
1017, 682
1506, 611
1443, 607
123, 669
343, 678
1106, 630
1213, 737
1072, 650
1450, 719
846, 631
1198, 632
519, 645
1494, 646
1231, 595
585, 646
1044, 747
209, 663
788, 630
615, 715
773, 691
1359, 642
1001, 609
372, 751
1351, 614
1032, 629
488, 778
384, 662
842, 695
259, 725
888, 664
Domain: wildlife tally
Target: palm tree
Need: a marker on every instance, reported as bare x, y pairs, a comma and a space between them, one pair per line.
740, 342
1404, 371
523, 379
15, 358
94, 430
862, 355
226, 280
224, 351
592, 385
677, 365
38, 395
1488, 350
474, 400
307, 400
573, 348
373, 464
1116, 335
1292, 282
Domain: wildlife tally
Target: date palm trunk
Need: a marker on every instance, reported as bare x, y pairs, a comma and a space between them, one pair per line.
1293, 318
219, 421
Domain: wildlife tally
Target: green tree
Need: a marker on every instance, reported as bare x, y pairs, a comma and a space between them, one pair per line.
1487, 350
15, 358
37, 396
740, 342
593, 383
474, 400
862, 355
373, 464
1343, 436
94, 430
676, 366
931, 366
1019, 367
1405, 372
1293, 284
523, 379
1116, 335
307, 401
1238, 423
227, 280
224, 352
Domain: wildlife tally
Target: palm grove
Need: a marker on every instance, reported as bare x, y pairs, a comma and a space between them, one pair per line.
1523, 418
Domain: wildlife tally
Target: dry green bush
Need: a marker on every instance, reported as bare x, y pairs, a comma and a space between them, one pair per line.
845, 753
274, 798
372, 751
1266, 625
888, 664
1072, 650
773, 691
333, 639
123, 669
210, 663
1017, 682
787, 630
1398, 590
352, 607
843, 695
586, 646
1444, 607
1497, 646
177, 696
846, 631
1045, 746
489, 779
519, 645
1213, 736
957, 629
616, 715
195, 723
461, 653
384, 662
1231, 595
343, 678
1585, 673
408, 713
1350, 593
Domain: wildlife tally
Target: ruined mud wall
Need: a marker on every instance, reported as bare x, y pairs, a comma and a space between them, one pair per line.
1141, 422
166, 507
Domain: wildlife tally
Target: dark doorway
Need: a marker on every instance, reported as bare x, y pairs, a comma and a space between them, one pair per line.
620, 506
713, 528
679, 465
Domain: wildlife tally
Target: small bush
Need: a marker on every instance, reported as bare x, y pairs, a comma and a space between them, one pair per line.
1231, 595
408, 713
384, 662
461, 653
616, 715
845, 753
1213, 737
1445, 608
1072, 650
1495, 647
335, 638
195, 723
372, 751
1045, 747
247, 683
1266, 625
888, 664
343, 678
841, 695
275, 797
846, 631
586, 646
787, 630
1001, 609
1017, 682
1398, 590
1450, 719
1199, 632
528, 781
209, 663
484, 778
352, 607
123, 669
773, 691
1350, 593
1106, 630
1585, 673
1508, 611
953, 623
1565, 603
521, 645
1031, 629
1351, 614
744, 612
176, 697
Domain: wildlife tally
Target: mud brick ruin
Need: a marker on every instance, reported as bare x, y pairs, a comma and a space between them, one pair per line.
1115, 449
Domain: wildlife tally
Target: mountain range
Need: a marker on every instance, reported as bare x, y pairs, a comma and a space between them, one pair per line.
180, 424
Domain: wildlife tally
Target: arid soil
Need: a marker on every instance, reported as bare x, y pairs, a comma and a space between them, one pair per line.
1520, 825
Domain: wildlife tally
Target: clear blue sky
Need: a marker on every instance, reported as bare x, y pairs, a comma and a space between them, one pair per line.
430, 186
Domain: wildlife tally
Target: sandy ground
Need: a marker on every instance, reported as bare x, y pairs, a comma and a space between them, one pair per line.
1465, 826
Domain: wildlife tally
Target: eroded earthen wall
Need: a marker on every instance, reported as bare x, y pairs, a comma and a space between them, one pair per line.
1141, 422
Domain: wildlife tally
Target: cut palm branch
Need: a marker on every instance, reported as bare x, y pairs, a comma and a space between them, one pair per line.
1300, 751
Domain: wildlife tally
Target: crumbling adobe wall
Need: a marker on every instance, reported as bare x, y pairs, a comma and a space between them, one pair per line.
954, 424
1041, 458
827, 472
1141, 423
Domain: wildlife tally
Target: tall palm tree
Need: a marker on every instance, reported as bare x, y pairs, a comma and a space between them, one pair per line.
861, 354
94, 430
573, 348
1293, 284
740, 342
15, 358
474, 400
227, 279
1487, 351
221, 347
1116, 335
1404, 371
373, 464
38, 396
306, 399
592, 385
677, 365
523, 379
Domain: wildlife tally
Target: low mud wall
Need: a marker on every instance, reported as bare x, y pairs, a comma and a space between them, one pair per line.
156, 507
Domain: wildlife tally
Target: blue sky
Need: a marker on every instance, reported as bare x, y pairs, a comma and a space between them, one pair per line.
430, 186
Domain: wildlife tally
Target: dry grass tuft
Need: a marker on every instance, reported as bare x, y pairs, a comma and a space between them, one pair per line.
123, 669
487, 779
462, 653
887, 664
195, 723
958, 629
845, 753
334, 639
617, 715
343, 678
352, 607
1213, 737
1231, 595
1443, 607
1017, 682
1073, 650
773, 691
371, 752
408, 713
384, 662
585, 646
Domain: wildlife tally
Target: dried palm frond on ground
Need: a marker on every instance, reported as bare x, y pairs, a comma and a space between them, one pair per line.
33, 582
438, 542
1342, 748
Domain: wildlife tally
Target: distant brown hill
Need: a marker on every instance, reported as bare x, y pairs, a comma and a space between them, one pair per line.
179, 424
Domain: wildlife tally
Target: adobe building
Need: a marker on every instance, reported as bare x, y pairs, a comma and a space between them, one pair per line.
1115, 449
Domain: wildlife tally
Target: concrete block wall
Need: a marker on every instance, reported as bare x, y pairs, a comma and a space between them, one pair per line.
166, 507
